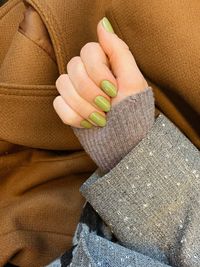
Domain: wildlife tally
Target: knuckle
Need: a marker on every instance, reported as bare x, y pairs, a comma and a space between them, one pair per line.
62, 78
73, 62
88, 47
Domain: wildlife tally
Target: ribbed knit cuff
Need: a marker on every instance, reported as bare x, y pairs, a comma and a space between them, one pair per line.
127, 124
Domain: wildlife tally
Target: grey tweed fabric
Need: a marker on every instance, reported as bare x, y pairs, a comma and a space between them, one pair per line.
95, 251
151, 199
150, 202
127, 124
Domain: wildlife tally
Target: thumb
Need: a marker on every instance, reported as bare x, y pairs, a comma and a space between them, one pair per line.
122, 62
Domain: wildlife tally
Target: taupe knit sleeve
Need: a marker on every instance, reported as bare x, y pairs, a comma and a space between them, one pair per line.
127, 124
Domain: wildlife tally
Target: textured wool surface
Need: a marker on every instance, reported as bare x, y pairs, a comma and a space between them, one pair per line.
161, 45
10, 16
40, 203
15, 57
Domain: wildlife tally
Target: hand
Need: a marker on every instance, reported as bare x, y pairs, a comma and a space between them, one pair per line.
102, 76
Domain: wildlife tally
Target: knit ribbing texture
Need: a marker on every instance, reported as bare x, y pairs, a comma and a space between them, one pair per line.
127, 124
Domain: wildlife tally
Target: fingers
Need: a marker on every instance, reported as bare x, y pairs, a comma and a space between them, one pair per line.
78, 104
79, 88
98, 67
121, 59
68, 115
102, 71
85, 86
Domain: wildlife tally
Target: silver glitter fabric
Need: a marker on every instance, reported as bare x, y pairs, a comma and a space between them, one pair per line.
95, 251
151, 198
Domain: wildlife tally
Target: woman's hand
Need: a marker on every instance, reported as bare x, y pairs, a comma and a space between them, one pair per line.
102, 76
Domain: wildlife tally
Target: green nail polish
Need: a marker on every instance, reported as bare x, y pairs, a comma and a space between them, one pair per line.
98, 119
109, 88
107, 25
102, 103
86, 124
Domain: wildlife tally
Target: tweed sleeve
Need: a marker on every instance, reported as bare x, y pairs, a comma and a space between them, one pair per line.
151, 198
127, 124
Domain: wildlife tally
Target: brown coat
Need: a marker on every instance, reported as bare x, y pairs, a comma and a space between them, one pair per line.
42, 164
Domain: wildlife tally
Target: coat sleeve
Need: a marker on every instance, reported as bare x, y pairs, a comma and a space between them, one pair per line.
95, 251
151, 198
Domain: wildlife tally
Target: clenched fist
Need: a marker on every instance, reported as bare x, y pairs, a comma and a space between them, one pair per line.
102, 76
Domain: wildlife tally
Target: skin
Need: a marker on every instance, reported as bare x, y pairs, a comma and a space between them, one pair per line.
108, 59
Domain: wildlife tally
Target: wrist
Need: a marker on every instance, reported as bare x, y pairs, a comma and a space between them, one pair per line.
128, 123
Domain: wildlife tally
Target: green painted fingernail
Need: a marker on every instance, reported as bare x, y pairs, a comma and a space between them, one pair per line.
109, 88
107, 25
86, 124
98, 119
102, 103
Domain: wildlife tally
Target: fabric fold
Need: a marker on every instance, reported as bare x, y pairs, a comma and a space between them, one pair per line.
94, 250
150, 199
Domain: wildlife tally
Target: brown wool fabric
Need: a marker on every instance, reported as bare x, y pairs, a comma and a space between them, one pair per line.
42, 163
10, 16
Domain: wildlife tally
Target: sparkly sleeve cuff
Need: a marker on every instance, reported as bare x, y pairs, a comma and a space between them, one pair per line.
151, 197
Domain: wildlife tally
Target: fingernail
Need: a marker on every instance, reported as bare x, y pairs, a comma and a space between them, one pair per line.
98, 119
109, 88
102, 103
107, 25
86, 124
